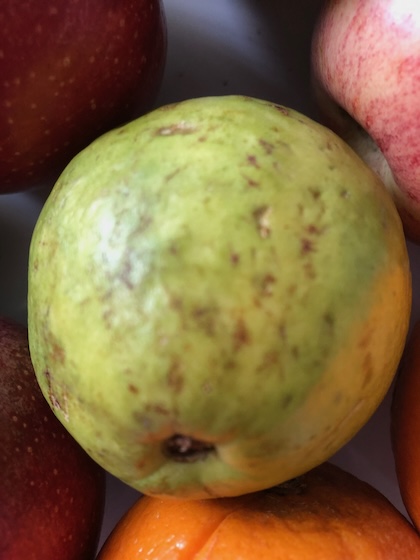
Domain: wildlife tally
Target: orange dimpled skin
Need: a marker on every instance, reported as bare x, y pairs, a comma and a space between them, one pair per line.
326, 514
405, 426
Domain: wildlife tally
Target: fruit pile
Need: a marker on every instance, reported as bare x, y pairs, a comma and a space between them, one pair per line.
219, 292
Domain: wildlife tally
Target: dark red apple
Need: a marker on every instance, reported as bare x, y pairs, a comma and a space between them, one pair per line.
51, 492
69, 71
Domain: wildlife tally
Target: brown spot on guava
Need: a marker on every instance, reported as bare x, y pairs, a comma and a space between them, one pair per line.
306, 246
241, 335
267, 284
133, 389
125, 274
283, 110
174, 377
55, 402
329, 320
252, 160
205, 319
176, 303
229, 364
58, 353
295, 351
315, 192
173, 174
234, 258
270, 358
262, 218
267, 146
251, 182
157, 409
313, 229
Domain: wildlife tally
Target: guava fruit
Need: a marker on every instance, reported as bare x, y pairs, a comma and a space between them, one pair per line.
219, 295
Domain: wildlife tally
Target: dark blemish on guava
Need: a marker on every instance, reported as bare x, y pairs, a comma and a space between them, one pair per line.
57, 352
267, 146
174, 377
205, 319
283, 110
295, 351
133, 389
176, 303
329, 320
141, 464
182, 128
241, 336
55, 403
261, 216
234, 258
338, 397
306, 246
125, 274
329, 146
313, 229
269, 360
286, 400
229, 364
267, 284
316, 193
185, 449
252, 160
251, 182
173, 174
157, 409
173, 249
344, 193
47, 376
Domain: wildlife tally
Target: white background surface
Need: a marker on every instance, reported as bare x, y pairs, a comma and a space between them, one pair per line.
216, 47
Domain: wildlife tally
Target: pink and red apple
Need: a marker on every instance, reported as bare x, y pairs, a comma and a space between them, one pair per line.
366, 71
51, 492
69, 71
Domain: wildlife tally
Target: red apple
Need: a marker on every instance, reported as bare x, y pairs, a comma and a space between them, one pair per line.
366, 70
71, 70
51, 492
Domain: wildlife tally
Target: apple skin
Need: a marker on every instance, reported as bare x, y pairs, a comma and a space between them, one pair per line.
71, 70
366, 70
51, 492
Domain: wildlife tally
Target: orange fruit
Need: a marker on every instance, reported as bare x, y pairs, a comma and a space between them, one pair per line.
326, 514
405, 426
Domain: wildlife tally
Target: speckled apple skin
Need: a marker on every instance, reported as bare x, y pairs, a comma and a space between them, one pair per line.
226, 269
366, 70
52, 494
69, 71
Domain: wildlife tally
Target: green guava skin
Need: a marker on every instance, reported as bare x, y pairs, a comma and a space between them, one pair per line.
209, 271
